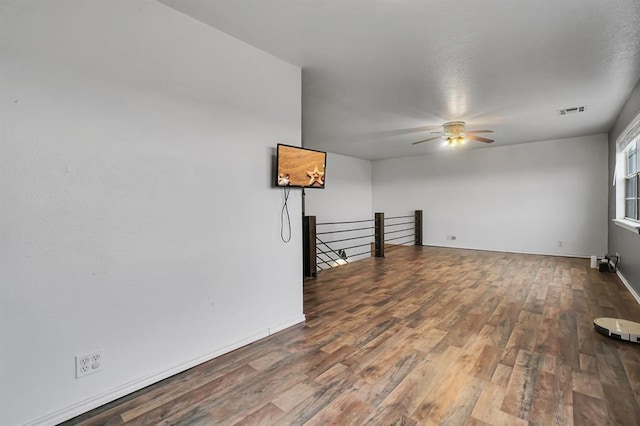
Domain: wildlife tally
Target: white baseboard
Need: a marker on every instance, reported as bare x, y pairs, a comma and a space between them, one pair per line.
538, 253
286, 325
628, 286
141, 382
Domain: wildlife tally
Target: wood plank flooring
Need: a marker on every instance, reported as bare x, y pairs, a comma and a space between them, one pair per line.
424, 336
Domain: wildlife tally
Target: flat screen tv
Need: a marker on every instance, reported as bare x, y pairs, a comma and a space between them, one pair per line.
300, 167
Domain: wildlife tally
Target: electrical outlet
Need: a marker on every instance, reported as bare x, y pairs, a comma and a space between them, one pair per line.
89, 363
560, 244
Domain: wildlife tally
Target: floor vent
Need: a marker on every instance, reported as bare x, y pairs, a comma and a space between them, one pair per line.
572, 110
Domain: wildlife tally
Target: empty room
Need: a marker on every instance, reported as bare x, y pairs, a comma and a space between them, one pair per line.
308, 212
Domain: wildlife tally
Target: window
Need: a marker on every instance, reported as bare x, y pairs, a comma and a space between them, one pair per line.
632, 182
627, 177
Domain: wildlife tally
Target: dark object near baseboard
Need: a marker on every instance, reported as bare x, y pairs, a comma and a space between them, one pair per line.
609, 263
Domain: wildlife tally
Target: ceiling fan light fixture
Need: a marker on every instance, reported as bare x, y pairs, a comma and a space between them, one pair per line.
453, 133
455, 140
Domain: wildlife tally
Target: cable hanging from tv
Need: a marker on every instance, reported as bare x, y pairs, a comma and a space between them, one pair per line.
283, 212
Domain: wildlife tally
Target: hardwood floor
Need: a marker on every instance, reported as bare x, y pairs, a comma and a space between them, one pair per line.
425, 336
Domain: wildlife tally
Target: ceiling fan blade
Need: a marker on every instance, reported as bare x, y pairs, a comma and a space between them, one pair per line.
478, 138
396, 132
479, 131
426, 140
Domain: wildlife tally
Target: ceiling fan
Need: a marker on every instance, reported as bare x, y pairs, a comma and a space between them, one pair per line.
454, 134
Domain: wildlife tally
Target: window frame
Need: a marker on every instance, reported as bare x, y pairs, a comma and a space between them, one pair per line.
632, 175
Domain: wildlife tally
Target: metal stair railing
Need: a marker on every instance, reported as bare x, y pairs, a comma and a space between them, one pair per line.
320, 254
329, 258
339, 250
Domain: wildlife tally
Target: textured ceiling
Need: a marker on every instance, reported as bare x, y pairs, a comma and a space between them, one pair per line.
378, 73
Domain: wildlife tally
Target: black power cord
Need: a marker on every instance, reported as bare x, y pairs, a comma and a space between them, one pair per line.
285, 210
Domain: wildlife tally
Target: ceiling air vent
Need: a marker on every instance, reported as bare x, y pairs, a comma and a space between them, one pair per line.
571, 110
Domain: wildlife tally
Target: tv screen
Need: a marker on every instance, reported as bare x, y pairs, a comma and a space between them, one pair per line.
300, 167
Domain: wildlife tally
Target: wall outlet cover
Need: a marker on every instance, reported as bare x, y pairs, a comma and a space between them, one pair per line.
89, 363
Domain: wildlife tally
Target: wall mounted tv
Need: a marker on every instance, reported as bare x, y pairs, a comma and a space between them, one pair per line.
300, 167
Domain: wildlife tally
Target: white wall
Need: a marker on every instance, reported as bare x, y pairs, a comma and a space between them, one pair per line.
137, 213
346, 197
519, 198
